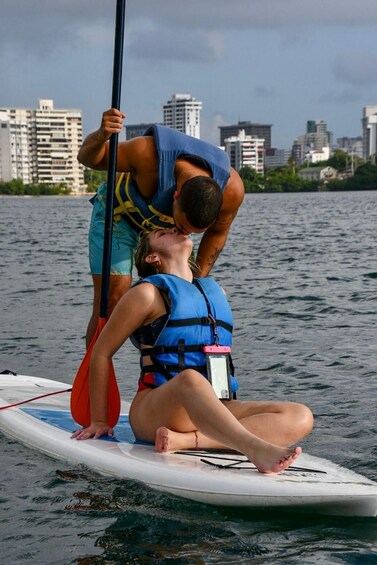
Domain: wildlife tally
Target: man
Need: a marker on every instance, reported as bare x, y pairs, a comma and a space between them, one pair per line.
167, 178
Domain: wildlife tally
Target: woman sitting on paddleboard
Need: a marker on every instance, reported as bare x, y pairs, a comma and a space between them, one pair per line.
183, 326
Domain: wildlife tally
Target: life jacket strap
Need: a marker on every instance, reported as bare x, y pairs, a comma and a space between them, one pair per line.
204, 321
161, 349
167, 370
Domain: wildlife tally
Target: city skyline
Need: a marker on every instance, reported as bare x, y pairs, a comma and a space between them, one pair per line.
274, 62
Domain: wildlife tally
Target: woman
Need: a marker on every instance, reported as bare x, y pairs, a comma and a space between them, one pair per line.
170, 316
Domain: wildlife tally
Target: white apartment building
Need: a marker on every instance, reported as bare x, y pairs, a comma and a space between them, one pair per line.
369, 123
245, 150
41, 145
15, 157
313, 156
182, 112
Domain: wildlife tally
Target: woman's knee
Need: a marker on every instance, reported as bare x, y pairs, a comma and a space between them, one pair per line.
304, 417
190, 381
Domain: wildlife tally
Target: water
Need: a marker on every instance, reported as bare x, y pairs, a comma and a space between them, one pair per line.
300, 271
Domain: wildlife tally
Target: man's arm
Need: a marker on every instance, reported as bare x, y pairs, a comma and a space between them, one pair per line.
94, 152
215, 236
132, 155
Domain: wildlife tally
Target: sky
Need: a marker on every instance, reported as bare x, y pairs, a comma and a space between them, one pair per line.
280, 62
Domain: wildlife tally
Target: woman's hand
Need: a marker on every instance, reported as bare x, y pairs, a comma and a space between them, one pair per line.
95, 430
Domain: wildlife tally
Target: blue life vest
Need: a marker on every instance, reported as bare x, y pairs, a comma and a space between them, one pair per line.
170, 144
188, 328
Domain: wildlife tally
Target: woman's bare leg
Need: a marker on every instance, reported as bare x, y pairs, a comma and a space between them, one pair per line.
281, 423
188, 403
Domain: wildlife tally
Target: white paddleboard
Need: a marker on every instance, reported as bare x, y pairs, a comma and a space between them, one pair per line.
212, 477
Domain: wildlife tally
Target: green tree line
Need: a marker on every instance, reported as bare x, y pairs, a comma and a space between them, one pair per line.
282, 179
286, 179
17, 188
93, 179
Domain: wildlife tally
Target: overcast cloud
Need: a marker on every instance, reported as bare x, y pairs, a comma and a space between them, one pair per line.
273, 61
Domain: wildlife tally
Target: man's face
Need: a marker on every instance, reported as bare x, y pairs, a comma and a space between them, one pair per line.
181, 222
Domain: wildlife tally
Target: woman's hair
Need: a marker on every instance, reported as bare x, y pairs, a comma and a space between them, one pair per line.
144, 249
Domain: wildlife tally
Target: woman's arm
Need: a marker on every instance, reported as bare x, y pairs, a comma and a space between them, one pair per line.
139, 306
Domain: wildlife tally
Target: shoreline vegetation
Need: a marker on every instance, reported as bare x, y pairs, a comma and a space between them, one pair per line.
355, 175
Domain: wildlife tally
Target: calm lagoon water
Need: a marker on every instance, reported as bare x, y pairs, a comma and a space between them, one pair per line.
300, 271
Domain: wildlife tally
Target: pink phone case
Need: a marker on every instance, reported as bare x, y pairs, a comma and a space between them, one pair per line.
216, 349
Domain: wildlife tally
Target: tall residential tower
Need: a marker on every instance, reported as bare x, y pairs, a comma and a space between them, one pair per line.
245, 151
41, 145
262, 131
182, 112
369, 122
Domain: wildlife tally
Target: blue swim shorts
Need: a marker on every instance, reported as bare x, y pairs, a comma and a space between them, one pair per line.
124, 241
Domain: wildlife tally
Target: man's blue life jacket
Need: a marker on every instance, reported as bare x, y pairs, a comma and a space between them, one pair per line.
143, 214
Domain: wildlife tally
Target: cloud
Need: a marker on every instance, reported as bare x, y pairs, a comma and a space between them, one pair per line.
345, 96
41, 26
195, 47
264, 92
254, 14
356, 68
209, 128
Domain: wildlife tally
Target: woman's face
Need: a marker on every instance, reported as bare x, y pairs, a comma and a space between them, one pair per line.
169, 240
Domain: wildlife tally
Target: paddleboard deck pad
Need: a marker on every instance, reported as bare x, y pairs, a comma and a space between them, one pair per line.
213, 477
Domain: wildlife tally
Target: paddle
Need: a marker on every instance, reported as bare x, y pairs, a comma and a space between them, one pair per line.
80, 397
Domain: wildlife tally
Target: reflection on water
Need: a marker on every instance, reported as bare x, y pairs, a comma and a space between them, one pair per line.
301, 274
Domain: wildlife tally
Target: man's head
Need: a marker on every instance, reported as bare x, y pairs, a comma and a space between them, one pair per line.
197, 205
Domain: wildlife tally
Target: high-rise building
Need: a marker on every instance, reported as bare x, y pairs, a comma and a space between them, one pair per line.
262, 131
351, 145
369, 123
15, 147
41, 145
182, 112
315, 140
245, 151
317, 135
274, 158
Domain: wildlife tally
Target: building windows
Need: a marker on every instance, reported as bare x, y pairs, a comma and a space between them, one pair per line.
36, 136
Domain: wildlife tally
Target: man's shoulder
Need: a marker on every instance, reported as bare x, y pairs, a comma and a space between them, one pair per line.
234, 190
138, 146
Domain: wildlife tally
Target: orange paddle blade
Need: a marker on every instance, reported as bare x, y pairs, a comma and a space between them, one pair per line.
80, 396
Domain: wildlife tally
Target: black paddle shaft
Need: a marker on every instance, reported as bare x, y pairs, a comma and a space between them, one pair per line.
111, 175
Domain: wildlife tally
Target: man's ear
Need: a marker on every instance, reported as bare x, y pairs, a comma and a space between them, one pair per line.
176, 195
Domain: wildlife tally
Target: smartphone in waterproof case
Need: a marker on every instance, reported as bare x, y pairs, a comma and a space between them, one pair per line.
218, 369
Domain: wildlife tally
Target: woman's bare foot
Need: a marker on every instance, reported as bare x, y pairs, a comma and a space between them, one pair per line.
267, 457
273, 458
167, 440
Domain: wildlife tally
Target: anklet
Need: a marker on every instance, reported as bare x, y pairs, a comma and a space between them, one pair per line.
196, 440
